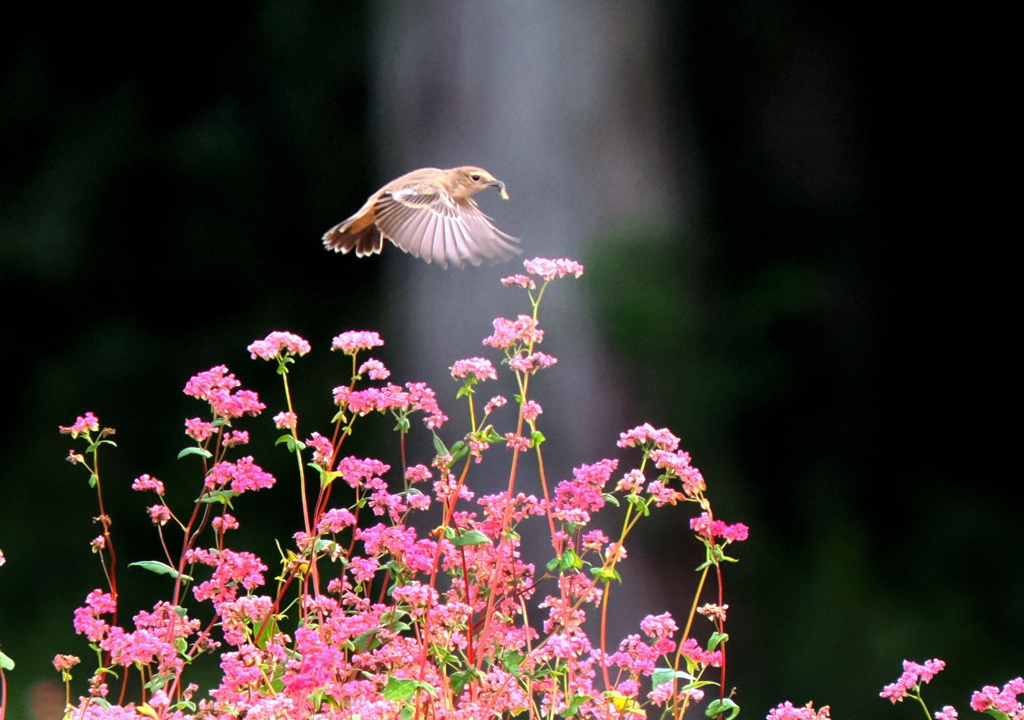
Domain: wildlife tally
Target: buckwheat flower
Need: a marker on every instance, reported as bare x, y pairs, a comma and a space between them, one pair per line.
353, 341
235, 438
531, 410
199, 429
647, 437
145, 482
423, 399
631, 482
286, 420
495, 402
709, 528
531, 363
335, 520
517, 442
786, 711
278, 344
692, 649
323, 450
216, 378
506, 332
243, 475
913, 674
521, 280
358, 472
478, 368
1005, 700
550, 269
417, 473
227, 521
946, 713
363, 569
375, 369
75, 458
594, 540
82, 425
2, 558
659, 626
714, 612
159, 514
63, 663
663, 495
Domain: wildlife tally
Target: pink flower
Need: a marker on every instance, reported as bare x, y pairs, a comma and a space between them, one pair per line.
517, 442
159, 514
531, 410
375, 369
520, 280
285, 420
1005, 700
946, 713
417, 473
277, 344
659, 626
550, 269
476, 367
243, 475
913, 673
506, 332
353, 341
145, 482
709, 528
645, 436
336, 520
82, 425
235, 438
531, 363
323, 451
786, 711
496, 402
198, 429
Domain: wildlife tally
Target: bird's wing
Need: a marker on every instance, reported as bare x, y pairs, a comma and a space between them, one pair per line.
424, 220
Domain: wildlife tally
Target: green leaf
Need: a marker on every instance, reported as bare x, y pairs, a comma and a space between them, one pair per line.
721, 706
610, 499
459, 680
575, 703
439, 447
291, 442
155, 566
399, 689
606, 574
473, 537
5, 662
194, 451
716, 639
218, 496
536, 438
663, 675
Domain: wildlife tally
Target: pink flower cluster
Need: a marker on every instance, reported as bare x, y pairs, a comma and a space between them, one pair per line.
709, 528
550, 269
522, 330
786, 711
215, 386
1005, 700
83, 424
353, 341
243, 475
479, 369
415, 397
913, 674
278, 344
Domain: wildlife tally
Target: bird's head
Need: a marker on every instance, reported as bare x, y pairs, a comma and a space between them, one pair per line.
470, 180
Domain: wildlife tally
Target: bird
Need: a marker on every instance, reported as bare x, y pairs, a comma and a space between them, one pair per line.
429, 213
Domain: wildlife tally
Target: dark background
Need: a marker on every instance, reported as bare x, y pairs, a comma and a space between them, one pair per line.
835, 353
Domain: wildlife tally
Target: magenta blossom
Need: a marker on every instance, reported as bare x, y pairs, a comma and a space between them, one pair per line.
550, 269
278, 344
82, 425
353, 341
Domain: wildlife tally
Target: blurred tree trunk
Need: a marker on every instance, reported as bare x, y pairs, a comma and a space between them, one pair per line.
562, 102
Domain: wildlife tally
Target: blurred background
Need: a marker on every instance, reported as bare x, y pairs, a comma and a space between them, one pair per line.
796, 260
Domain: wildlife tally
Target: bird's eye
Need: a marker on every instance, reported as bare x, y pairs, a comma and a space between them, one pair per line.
475, 177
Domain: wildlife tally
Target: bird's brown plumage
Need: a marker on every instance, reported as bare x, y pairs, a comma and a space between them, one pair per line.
431, 214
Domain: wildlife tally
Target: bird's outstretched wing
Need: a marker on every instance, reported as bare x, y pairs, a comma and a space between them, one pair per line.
424, 220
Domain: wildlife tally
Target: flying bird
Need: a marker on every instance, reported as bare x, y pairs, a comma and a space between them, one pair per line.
431, 214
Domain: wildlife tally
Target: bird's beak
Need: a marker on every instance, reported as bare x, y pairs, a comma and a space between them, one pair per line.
501, 189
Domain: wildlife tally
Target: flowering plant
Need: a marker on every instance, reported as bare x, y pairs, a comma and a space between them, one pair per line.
369, 619
366, 617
